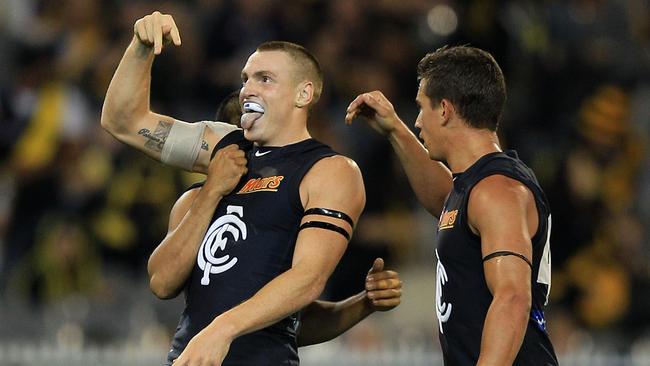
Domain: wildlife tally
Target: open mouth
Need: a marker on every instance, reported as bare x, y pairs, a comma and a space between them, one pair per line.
251, 112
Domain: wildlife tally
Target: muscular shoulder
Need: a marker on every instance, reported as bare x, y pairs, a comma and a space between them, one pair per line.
496, 190
499, 187
335, 181
338, 170
498, 199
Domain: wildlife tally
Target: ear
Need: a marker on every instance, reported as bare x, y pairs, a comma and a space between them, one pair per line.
304, 94
447, 111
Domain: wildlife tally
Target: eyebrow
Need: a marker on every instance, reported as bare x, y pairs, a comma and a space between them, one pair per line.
260, 73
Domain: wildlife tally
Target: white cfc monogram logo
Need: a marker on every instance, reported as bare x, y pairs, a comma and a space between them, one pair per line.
443, 309
215, 238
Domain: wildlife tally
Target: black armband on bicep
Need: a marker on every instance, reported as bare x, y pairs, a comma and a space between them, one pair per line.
330, 213
326, 226
506, 252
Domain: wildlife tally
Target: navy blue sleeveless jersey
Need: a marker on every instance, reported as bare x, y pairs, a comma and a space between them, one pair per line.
462, 295
250, 242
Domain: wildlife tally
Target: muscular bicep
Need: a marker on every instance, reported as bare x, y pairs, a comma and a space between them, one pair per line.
174, 142
333, 197
147, 134
502, 212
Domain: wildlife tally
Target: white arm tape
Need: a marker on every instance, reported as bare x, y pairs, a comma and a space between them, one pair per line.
182, 145
220, 128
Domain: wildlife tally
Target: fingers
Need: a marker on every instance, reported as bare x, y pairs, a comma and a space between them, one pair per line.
156, 28
233, 152
367, 104
352, 110
149, 28
387, 303
174, 33
230, 160
157, 32
384, 294
377, 266
383, 280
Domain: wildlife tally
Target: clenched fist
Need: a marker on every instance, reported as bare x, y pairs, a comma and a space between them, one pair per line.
157, 29
226, 169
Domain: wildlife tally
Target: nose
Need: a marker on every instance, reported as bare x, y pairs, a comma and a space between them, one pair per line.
247, 90
418, 121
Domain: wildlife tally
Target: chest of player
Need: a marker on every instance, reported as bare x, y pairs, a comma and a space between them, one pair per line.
268, 195
456, 243
253, 230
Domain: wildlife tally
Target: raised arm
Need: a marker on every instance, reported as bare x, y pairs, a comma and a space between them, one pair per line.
430, 180
171, 262
503, 212
333, 183
126, 113
322, 321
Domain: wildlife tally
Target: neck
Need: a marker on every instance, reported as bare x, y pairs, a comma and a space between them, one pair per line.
469, 145
294, 130
286, 139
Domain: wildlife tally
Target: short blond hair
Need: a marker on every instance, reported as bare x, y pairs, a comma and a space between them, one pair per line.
306, 63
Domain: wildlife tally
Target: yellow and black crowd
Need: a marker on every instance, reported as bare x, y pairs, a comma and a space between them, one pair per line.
80, 213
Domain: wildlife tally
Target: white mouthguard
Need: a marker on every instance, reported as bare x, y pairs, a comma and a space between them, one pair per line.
253, 107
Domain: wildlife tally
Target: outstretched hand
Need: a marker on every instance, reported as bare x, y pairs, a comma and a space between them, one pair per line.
157, 29
376, 108
383, 287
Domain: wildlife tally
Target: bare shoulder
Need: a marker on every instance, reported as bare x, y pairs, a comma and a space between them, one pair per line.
335, 170
338, 165
498, 189
498, 200
335, 181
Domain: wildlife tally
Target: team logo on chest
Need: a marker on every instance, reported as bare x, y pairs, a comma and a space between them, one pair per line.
447, 219
268, 184
216, 238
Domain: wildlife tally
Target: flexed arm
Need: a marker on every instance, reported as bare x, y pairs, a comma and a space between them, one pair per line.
430, 180
126, 113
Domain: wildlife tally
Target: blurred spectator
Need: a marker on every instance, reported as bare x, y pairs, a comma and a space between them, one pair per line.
79, 214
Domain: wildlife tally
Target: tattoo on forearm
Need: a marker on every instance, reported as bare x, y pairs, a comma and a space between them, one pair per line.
156, 140
204, 145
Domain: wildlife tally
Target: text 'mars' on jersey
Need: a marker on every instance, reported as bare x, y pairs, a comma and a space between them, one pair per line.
462, 295
249, 242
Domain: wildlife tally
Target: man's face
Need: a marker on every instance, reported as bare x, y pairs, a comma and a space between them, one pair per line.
268, 80
429, 122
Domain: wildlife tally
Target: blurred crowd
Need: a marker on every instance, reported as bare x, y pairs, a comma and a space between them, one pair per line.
80, 213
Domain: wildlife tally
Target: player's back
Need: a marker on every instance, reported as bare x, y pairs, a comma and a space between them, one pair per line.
462, 295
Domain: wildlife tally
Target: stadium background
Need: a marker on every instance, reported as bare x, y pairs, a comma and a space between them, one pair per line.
80, 213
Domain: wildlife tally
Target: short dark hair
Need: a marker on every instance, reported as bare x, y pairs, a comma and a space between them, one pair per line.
470, 79
229, 109
306, 62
